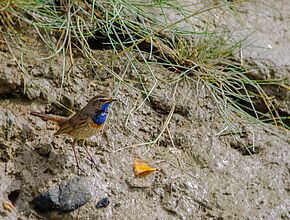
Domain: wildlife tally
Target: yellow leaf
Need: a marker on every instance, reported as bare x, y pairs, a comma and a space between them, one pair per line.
141, 169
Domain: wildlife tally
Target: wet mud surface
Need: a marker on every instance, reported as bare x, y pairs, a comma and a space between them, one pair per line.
204, 170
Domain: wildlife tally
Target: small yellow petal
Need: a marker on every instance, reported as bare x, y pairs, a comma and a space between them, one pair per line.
141, 169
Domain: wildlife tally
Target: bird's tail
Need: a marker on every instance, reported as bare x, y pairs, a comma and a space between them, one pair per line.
48, 117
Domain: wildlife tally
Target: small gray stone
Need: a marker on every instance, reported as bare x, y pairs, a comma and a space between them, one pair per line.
103, 160
65, 196
104, 202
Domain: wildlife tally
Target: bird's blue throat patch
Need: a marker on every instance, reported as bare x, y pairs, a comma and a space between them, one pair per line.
100, 118
105, 107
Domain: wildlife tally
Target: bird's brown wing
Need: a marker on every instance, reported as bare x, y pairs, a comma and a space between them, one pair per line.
74, 123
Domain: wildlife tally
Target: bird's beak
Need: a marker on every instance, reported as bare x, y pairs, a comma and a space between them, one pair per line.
112, 100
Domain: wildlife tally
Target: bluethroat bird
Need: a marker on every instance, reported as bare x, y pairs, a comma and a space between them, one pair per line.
84, 124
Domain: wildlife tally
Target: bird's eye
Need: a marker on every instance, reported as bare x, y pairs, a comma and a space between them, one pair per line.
102, 100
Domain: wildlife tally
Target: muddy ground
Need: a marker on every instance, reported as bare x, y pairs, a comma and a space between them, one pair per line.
203, 173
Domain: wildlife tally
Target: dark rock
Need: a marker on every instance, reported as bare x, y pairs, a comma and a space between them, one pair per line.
104, 202
65, 196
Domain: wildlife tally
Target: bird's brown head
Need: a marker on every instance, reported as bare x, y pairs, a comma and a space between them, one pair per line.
98, 107
101, 102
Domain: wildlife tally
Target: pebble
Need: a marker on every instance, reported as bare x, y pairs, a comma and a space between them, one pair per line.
104, 202
103, 160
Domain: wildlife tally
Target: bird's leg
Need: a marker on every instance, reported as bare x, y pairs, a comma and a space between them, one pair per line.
89, 154
75, 154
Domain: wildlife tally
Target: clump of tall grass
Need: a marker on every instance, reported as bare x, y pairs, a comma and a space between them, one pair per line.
131, 27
